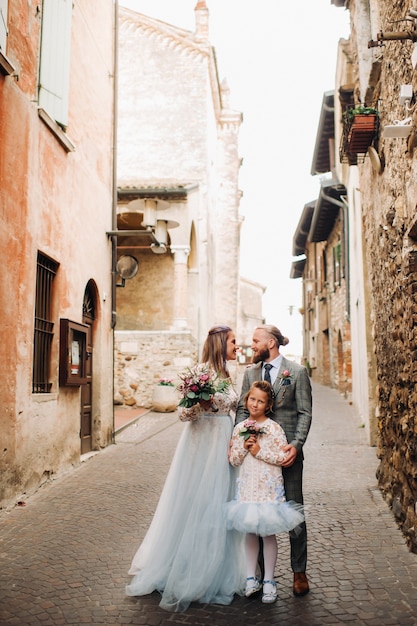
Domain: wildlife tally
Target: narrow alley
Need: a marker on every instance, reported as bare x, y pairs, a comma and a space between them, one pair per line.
65, 554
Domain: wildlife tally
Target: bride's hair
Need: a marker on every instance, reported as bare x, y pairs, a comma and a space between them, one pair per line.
215, 350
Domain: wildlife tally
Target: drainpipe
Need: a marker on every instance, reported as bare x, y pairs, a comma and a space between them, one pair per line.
114, 203
114, 199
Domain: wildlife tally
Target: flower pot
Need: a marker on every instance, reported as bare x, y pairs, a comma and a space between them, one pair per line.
164, 399
359, 132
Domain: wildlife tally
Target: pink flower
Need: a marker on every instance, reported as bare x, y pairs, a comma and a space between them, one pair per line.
251, 427
199, 383
285, 374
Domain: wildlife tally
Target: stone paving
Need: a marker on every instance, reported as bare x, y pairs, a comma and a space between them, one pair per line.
64, 557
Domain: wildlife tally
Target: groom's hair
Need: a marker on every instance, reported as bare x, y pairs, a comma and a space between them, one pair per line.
275, 333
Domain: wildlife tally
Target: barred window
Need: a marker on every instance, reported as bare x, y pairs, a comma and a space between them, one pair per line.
45, 273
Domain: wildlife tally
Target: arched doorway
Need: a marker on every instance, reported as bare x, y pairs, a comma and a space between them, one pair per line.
89, 315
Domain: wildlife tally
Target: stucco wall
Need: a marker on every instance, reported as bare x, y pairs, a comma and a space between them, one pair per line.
176, 129
59, 203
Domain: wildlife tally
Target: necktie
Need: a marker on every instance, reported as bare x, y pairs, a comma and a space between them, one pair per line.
267, 375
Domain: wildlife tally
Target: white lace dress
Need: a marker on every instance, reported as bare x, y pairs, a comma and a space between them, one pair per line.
188, 554
259, 505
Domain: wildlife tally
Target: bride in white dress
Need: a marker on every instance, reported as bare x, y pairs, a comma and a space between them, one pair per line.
188, 555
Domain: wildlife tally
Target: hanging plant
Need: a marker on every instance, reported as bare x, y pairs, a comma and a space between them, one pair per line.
360, 127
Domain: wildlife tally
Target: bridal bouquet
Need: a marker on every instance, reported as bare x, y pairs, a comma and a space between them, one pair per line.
199, 383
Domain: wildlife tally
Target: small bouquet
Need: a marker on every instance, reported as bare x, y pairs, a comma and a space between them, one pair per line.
199, 383
251, 427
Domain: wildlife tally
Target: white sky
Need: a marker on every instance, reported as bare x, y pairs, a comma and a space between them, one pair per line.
278, 58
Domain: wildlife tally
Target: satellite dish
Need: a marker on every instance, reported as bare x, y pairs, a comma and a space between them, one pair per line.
127, 266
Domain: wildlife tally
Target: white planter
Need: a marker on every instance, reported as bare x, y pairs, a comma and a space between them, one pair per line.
164, 399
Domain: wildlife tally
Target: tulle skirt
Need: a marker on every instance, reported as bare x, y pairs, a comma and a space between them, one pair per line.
264, 518
188, 554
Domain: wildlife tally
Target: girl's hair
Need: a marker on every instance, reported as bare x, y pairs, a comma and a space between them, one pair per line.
275, 333
264, 386
215, 350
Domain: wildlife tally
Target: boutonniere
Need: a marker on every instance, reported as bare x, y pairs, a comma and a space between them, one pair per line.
285, 380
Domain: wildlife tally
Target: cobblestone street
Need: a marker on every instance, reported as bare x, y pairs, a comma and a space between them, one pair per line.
65, 555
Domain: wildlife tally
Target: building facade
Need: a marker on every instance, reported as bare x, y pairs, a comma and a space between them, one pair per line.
375, 140
178, 168
56, 194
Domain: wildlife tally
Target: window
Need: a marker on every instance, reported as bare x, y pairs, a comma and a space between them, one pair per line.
55, 59
6, 68
3, 25
45, 273
337, 270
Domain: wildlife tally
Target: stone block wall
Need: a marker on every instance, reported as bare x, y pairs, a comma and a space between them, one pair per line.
141, 358
389, 201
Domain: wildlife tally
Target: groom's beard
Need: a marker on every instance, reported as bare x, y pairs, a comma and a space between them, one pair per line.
262, 355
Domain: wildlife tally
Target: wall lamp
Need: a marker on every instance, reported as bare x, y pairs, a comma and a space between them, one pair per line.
127, 267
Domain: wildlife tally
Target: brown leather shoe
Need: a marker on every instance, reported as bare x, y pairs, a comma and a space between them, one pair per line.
300, 587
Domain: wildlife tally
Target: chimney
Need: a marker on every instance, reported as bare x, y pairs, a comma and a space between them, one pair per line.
201, 21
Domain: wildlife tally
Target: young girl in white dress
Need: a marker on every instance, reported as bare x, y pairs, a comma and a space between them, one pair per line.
260, 507
188, 554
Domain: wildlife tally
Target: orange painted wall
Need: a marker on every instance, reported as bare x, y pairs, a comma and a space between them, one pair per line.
59, 203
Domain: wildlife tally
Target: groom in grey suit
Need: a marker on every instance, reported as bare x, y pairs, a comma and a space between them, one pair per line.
292, 410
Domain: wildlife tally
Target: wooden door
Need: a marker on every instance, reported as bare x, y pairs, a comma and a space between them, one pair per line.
86, 429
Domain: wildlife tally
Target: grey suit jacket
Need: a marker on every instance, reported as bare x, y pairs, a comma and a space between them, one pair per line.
293, 402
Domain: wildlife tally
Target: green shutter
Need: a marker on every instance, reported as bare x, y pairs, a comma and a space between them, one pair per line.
3, 25
55, 59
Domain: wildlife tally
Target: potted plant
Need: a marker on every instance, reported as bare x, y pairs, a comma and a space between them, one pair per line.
360, 127
164, 396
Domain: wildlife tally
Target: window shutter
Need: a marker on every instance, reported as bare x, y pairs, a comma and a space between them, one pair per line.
3, 25
55, 59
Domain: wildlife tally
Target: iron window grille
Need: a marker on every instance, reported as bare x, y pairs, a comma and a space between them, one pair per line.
46, 270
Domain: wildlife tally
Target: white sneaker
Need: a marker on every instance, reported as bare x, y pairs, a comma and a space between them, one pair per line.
253, 585
269, 591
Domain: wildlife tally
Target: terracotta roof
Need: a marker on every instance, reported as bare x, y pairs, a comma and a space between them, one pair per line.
300, 237
326, 210
155, 189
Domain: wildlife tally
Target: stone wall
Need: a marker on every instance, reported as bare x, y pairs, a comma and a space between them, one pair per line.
141, 358
389, 202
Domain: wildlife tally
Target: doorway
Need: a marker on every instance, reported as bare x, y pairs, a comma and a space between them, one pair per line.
86, 429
